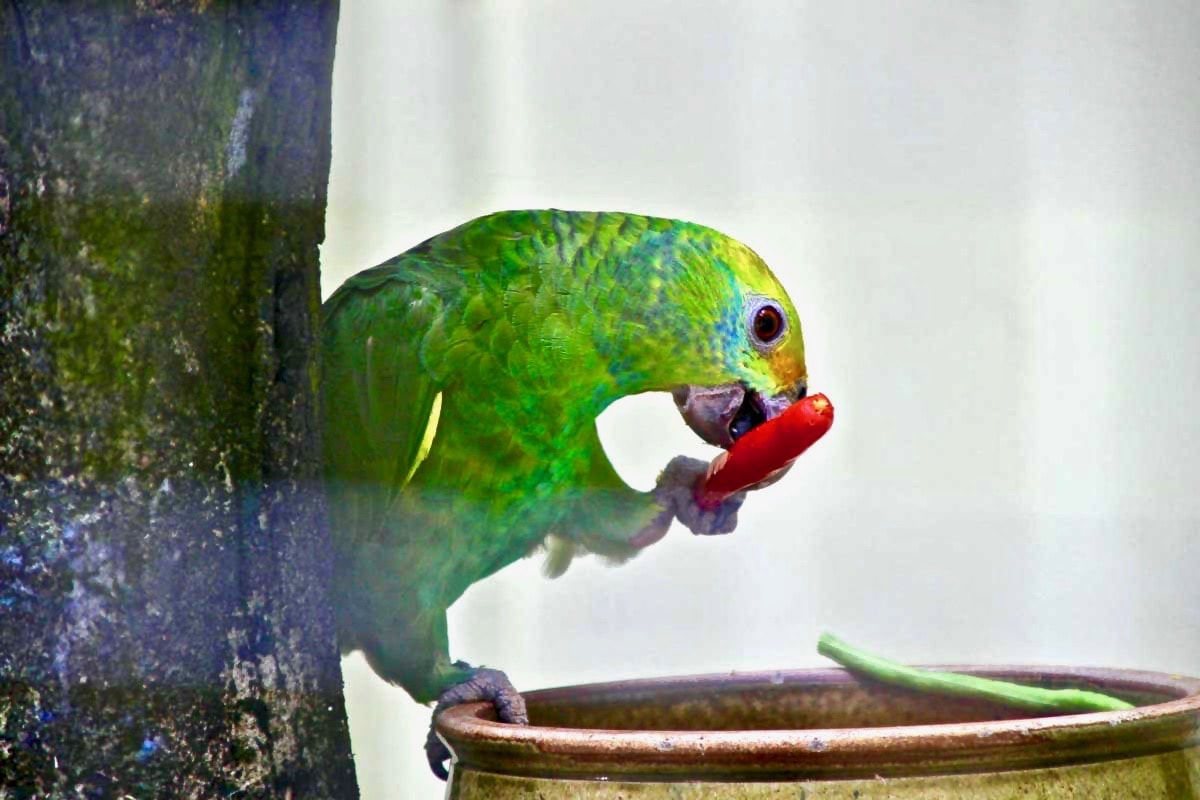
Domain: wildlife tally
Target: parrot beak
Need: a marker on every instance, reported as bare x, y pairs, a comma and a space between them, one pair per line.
720, 415
710, 410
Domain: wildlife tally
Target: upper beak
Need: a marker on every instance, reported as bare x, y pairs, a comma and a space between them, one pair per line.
710, 410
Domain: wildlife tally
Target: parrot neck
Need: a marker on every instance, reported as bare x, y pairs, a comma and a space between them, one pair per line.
627, 308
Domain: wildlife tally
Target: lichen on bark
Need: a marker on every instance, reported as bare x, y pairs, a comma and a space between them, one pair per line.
164, 623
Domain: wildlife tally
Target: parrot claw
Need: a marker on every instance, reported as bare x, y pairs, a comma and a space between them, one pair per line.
676, 491
490, 685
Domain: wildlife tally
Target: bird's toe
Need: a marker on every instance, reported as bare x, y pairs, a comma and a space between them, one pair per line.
484, 685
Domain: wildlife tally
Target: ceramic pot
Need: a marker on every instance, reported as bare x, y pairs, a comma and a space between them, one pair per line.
816, 734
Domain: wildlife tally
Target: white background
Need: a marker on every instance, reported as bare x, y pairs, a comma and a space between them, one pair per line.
988, 215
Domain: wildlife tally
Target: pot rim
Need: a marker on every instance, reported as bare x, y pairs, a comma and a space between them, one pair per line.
478, 741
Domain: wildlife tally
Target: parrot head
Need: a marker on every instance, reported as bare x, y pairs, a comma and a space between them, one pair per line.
744, 363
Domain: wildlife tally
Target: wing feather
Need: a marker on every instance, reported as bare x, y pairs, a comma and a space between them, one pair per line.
380, 400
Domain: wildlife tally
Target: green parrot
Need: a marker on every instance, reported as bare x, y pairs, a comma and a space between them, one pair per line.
462, 381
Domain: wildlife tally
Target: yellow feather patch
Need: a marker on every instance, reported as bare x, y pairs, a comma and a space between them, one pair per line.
435, 413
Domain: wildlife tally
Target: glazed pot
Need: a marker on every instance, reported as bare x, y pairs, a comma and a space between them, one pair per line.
815, 734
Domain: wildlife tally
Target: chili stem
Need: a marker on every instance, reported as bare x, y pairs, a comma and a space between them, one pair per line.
923, 680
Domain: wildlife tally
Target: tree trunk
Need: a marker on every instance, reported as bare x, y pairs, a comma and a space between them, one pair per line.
164, 614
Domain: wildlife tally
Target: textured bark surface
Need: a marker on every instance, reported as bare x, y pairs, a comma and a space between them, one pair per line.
164, 623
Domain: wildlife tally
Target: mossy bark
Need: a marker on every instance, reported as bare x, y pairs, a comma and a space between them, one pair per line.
164, 618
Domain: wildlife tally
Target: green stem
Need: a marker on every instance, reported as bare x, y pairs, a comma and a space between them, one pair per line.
922, 680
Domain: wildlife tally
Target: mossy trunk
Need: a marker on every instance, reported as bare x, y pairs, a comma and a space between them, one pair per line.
164, 614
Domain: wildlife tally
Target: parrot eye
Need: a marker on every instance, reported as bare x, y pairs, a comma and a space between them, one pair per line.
767, 323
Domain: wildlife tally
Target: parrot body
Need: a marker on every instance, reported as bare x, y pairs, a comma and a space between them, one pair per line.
461, 384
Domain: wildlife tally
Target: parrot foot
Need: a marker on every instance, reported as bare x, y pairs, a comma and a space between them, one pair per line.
676, 491
490, 685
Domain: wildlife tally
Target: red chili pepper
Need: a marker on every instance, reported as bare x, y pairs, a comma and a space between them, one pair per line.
762, 450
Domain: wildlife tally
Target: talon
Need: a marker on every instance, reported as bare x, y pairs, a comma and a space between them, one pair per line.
484, 685
437, 753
